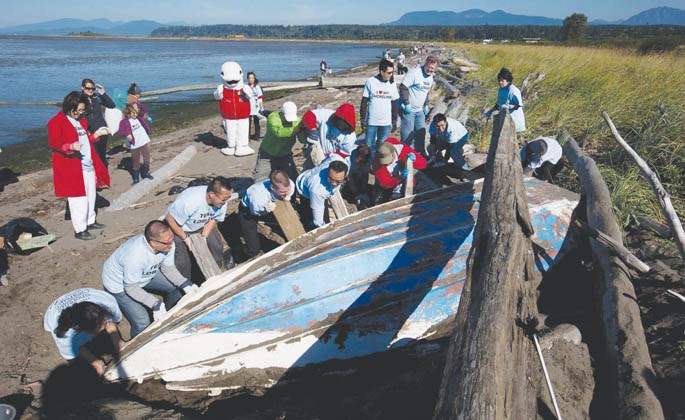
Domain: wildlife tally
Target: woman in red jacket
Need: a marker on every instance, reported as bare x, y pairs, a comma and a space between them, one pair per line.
76, 167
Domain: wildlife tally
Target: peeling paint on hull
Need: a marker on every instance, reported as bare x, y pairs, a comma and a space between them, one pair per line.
376, 280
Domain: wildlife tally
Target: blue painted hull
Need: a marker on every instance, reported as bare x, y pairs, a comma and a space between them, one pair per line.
377, 280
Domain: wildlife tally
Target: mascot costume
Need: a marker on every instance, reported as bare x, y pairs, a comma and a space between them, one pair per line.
235, 110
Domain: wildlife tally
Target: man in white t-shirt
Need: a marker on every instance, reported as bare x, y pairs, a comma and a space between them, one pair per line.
414, 94
378, 110
449, 136
142, 264
199, 209
318, 184
541, 158
76, 318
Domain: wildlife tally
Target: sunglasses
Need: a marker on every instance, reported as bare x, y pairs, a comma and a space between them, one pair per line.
89, 88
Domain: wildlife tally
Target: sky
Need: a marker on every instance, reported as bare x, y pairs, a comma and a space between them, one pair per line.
304, 12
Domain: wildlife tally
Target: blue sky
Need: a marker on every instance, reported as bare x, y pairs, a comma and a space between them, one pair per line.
198, 12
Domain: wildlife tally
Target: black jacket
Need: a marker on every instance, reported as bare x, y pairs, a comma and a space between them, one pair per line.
94, 110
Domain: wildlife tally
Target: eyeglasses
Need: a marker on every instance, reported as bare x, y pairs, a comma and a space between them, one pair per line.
335, 182
89, 88
162, 242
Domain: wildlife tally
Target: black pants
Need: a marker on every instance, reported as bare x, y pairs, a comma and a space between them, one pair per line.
548, 171
248, 225
101, 149
254, 120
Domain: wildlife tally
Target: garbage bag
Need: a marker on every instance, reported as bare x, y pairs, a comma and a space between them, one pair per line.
14, 228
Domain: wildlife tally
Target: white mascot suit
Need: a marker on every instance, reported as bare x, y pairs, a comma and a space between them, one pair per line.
235, 110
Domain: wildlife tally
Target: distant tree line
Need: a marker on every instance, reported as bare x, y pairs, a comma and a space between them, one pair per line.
593, 33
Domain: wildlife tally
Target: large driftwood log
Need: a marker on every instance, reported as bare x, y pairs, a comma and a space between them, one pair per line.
630, 368
491, 370
661, 194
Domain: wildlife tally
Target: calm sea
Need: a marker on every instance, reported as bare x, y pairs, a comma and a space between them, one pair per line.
46, 69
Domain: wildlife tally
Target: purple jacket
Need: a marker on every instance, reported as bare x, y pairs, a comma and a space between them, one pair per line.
125, 128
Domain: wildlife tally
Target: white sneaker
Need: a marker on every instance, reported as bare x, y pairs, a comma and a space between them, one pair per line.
244, 151
228, 151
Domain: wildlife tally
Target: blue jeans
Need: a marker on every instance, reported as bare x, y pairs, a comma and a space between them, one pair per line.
137, 314
375, 135
413, 130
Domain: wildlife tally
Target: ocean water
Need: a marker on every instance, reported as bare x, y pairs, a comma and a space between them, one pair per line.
42, 69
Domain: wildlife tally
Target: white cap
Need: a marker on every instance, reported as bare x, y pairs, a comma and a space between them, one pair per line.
289, 110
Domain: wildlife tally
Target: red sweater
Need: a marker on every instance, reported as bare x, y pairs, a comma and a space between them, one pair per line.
66, 164
384, 178
234, 105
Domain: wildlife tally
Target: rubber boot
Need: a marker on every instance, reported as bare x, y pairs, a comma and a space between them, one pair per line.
145, 172
136, 176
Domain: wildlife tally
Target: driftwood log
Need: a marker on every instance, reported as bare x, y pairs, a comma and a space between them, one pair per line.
631, 377
491, 370
409, 182
661, 195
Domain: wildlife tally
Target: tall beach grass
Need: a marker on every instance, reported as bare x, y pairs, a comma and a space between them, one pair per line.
643, 94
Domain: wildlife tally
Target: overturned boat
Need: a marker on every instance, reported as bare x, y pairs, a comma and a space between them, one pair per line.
379, 280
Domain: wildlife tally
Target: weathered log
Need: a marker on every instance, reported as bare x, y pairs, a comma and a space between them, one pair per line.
162, 174
631, 377
288, 220
615, 247
660, 229
491, 370
450, 90
409, 182
203, 256
661, 194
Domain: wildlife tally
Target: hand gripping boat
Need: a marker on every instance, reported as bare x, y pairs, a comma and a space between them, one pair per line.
387, 277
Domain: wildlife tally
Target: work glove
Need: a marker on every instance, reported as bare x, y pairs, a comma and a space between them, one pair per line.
407, 108
100, 89
270, 206
404, 173
149, 119
189, 287
411, 157
426, 111
158, 310
102, 131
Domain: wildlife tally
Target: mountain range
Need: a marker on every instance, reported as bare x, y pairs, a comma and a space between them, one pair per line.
99, 26
476, 17
472, 17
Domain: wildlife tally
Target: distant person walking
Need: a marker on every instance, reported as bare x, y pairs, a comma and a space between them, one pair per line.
379, 106
509, 98
414, 93
256, 96
400, 59
137, 132
76, 167
96, 101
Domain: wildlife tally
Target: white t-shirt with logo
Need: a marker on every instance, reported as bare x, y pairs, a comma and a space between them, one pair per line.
139, 134
455, 131
86, 158
191, 211
70, 345
380, 94
419, 86
134, 262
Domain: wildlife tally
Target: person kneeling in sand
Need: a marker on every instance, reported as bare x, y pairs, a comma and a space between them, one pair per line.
141, 264
76, 321
390, 168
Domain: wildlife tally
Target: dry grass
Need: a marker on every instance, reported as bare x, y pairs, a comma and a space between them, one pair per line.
644, 95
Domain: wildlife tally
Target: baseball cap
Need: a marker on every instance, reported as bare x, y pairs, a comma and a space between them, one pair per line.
289, 110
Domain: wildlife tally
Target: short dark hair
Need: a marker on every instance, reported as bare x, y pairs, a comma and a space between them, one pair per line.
341, 124
534, 151
505, 74
384, 64
362, 153
71, 101
338, 166
85, 315
154, 229
219, 183
84, 81
439, 117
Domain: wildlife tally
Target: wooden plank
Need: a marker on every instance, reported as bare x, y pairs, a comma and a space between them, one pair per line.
338, 205
288, 220
409, 182
203, 256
